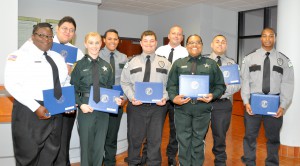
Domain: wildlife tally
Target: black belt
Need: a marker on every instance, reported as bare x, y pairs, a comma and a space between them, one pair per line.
221, 100
83, 94
194, 101
149, 104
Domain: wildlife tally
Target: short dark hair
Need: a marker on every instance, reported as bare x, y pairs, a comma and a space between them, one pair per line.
268, 28
67, 19
111, 30
219, 35
41, 25
187, 40
148, 33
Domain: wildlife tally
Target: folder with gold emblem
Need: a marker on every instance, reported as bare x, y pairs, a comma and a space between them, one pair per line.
68, 52
149, 92
65, 104
264, 104
231, 74
107, 101
193, 86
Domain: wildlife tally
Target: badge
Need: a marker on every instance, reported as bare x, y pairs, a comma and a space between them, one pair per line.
290, 64
104, 98
161, 64
264, 104
280, 61
126, 65
104, 68
148, 91
194, 85
206, 65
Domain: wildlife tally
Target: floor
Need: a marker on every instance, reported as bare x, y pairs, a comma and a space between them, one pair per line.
234, 147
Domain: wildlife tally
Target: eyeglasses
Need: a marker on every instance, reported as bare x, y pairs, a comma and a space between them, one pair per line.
65, 29
192, 43
44, 36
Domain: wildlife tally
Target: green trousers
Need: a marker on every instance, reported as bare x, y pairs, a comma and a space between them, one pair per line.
92, 128
191, 121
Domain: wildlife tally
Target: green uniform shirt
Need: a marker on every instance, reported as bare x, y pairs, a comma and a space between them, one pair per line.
205, 66
82, 80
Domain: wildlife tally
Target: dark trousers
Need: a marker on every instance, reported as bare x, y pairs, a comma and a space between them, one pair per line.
220, 121
172, 147
191, 122
145, 121
92, 129
36, 142
112, 138
272, 128
63, 158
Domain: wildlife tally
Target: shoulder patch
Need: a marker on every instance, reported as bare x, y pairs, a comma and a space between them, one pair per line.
12, 57
284, 55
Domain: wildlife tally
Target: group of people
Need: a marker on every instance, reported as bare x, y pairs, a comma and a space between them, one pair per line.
40, 139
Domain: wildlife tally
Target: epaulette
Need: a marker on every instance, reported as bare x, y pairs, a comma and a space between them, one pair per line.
230, 59
161, 56
130, 58
254, 50
284, 55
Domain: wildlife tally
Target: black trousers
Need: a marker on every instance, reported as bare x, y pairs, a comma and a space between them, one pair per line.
272, 128
36, 142
172, 147
63, 158
111, 141
220, 121
145, 121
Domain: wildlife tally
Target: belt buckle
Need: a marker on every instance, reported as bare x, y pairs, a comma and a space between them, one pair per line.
193, 101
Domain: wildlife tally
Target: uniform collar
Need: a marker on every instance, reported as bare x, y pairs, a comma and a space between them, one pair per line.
169, 46
214, 56
107, 51
191, 58
264, 51
144, 56
90, 58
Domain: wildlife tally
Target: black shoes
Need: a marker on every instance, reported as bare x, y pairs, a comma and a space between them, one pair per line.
172, 162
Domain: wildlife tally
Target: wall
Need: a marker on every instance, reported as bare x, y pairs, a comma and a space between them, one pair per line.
128, 25
205, 20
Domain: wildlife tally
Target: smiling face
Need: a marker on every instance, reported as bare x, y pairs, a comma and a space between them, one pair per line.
148, 44
194, 45
43, 38
111, 41
65, 32
267, 39
93, 44
175, 36
219, 45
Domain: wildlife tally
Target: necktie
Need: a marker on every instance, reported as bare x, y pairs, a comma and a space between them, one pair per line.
56, 82
95, 76
171, 55
112, 63
266, 75
194, 66
147, 70
219, 61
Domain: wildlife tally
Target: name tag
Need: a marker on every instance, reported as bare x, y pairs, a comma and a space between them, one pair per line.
183, 67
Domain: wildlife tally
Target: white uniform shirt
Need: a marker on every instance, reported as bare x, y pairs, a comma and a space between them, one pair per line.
179, 52
28, 73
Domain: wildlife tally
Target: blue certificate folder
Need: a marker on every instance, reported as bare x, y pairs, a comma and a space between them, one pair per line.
65, 104
193, 86
264, 104
149, 92
119, 88
107, 101
68, 52
231, 74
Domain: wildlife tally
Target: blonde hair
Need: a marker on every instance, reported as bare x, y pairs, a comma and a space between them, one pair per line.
91, 34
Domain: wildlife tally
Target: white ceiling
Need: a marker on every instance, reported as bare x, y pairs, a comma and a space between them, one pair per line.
149, 7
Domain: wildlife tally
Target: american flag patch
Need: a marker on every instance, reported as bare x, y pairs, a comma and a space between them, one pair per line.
12, 57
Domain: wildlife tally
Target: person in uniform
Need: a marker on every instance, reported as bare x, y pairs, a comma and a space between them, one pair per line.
192, 116
281, 83
92, 125
117, 60
36, 135
65, 32
172, 51
222, 107
145, 120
